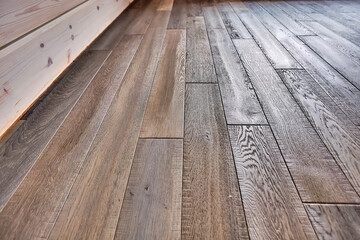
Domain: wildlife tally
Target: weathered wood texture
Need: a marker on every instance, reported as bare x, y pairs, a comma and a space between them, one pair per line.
31, 64
239, 99
335, 221
337, 131
212, 207
21, 151
199, 61
316, 175
33, 209
19, 17
273, 208
152, 202
212, 18
101, 183
164, 117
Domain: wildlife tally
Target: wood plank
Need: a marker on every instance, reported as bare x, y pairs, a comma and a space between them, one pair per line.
212, 18
193, 8
293, 12
199, 61
141, 21
335, 221
337, 41
178, 15
212, 207
21, 151
317, 176
294, 26
234, 26
272, 206
239, 99
152, 203
343, 64
165, 5
11, 132
277, 54
239, 6
339, 134
343, 93
31, 64
101, 183
18, 18
164, 117
31, 213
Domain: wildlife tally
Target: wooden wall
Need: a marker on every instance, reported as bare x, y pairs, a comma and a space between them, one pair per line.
30, 64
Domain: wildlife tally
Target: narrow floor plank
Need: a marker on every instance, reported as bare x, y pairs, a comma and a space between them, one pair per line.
234, 26
212, 18
11, 132
101, 183
276, 53
335, 221
342, 63
343, 93
152, 204
39, 199
340, 135
21, 151
178, 15
272, 205
193, 8
293, 12
317, 176
165, 5
211, 207
199, 61
239, 99
164, 117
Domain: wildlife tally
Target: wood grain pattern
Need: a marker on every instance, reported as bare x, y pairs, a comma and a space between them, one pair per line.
212, 207
272, 206
164, 117
335, 221
276, 53
21, 151
315, 172
165, 5
178, 15
152, 202
34, 207
343, 93
101, 183
239, 99
234, 26
212, 18
340, 135
292, 11
18, 18
342, 63
199, 61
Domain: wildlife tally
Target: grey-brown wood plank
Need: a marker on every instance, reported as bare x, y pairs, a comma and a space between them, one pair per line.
212, 207
239, 99
212, 18
178, 15
317, 176
276, 53
33, 209
234, 26
344, 94
272, 205
152, 202
21, 151
199, 61
340, 135
164, 117
101, 183
335, 221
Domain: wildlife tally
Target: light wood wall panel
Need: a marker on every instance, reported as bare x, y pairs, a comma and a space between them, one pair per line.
19, 17
29, 66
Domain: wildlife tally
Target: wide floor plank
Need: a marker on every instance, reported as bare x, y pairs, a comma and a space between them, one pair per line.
32, 211
101, 183
273, 208
178, 15
317, 176
21, 151
212, 18
239, 99
152, 204
164, 117
335, 221
199, 61
212, 207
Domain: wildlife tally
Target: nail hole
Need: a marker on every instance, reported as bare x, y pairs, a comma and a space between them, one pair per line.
70, 26
97, 7
42, 45
72, 37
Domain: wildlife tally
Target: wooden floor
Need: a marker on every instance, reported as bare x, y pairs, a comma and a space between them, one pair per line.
196, 119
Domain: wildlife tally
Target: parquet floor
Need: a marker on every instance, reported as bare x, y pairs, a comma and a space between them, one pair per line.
196, 119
